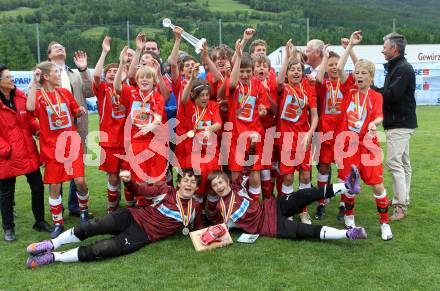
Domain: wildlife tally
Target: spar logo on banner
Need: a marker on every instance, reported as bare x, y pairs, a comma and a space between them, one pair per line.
422, 72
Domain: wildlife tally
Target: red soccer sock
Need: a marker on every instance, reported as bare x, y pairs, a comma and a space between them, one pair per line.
129, 198
349, 204
83, 200
56, 207
382, 207
254, 193
267, 188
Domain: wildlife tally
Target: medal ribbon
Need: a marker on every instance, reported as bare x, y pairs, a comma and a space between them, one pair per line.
357, 100
47, 99
199, 116
334, 94
113, 96
227, 215
297, 97
245, 96
147, 98
182, 214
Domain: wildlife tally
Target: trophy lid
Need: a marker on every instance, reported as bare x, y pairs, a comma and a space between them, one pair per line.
166, 22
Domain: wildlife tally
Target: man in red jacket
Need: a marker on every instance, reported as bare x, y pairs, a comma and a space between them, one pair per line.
18, 154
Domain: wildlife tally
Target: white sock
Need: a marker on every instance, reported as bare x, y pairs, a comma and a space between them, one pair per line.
286, 189
66, 237
304, 186
69, 256
332, 233
339, 188
255, 190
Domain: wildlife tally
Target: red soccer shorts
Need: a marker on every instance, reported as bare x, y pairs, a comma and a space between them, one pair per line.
237, 155
154, 168
292, 159
56, 172
112, 164
371, 172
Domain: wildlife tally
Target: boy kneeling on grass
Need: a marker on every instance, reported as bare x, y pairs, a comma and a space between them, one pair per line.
132, 228
271, 218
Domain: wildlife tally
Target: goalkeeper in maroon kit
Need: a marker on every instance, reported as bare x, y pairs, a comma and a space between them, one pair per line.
270, 218
132, 228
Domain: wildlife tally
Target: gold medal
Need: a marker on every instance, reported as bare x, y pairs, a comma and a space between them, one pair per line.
245, 96
227, 214
298, 111
357, 124
121, 107
333, 95
58, 122
185, 218
190, 134
358, 110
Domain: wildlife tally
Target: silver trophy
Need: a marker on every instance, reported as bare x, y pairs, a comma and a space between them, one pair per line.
194, 41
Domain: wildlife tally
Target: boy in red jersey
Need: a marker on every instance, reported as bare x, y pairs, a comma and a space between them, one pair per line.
61, 149
297, 107
200, 118
248, 102
131, 228
112, 118
330, 94
362, 113
236, 209
262, 69
147, 149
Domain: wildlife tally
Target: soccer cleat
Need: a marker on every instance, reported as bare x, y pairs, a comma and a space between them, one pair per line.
341, 214
320, 212
39, 247
305, 218
40, 260
83, 216
356, 233
10, 235
349, 221
57, 230
352, 181
385, 229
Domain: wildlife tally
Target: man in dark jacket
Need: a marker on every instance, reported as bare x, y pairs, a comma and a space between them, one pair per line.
400, 120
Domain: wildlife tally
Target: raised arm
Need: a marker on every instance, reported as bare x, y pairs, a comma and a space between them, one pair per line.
236, 68
30, 101
323, 66
140, 45
117, 83
212, 67
283, 70
353, 56
355, 39
172, 59
187, 90
80, 60
248, 34
101, 60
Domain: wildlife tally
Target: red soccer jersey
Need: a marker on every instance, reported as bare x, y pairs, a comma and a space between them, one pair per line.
247, 214
294, 105
55, 111
330, 95
141, 108
243, 106
112, 115
163, 218
214, 85
360, 110
207, 117
272, 90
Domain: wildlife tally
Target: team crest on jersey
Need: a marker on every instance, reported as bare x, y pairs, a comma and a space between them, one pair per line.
141, 114
291, 109
59, 122
247, 112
